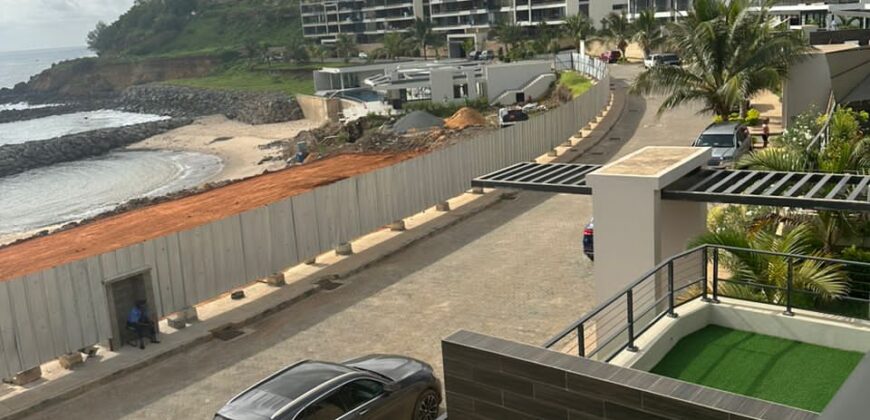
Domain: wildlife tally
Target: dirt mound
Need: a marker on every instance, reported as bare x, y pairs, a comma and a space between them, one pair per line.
464, 118
417, 121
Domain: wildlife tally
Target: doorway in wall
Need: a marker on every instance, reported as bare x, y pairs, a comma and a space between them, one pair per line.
122, 293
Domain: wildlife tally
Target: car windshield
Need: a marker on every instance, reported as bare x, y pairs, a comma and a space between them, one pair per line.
715, 140
666, 57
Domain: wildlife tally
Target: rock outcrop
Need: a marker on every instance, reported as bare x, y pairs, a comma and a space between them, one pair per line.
17, 158
180, 101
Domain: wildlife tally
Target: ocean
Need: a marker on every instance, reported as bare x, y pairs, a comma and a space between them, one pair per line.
19, 66
70, 191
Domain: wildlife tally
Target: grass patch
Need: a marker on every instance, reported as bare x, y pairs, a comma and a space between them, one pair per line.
576, 82
774, 369
253, 81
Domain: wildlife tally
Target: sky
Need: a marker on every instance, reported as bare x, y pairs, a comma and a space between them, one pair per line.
37, 24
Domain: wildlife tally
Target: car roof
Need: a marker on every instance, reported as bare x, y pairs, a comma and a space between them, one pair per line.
274, 393
722, 128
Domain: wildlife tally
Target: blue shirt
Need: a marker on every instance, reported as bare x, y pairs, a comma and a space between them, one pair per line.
135, 315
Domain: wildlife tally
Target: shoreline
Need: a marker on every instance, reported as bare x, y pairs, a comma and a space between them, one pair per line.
240, 146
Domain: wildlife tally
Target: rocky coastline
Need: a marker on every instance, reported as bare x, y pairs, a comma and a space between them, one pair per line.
17, 158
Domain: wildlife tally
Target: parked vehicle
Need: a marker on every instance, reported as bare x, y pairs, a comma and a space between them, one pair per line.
363, 56
667, 59
486, 55
380, 387
729, 141
611, 56
588, 239
510, 116
474, 55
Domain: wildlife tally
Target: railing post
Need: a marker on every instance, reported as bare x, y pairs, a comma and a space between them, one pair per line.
704, 297
629, 302
715, 275
581, 341
788, 285
671, 312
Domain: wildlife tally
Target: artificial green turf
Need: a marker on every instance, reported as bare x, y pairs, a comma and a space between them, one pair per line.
774, 369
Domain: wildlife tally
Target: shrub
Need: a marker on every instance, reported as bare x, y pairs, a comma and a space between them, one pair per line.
445, 110
753, 117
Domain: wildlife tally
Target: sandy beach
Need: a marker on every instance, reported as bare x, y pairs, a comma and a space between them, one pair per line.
235, 142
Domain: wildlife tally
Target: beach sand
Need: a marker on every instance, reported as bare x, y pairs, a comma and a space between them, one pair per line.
238, 143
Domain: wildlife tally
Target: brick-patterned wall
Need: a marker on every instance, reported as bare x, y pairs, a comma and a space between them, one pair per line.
491, 378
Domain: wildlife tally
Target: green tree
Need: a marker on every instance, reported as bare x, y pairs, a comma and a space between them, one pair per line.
422, 34
617, 29
578, 27
345, 46
98, 41
730, 54
394, 45
648, 31
828, 281
318, 51
509, 34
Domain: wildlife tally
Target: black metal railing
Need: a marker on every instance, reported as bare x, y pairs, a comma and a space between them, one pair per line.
709, 272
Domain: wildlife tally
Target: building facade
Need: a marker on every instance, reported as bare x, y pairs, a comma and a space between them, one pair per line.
369, 20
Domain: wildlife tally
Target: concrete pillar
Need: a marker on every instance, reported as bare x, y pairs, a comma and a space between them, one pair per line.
397, 226
553, 153
311, 261
69, 360
442, 206
276, 280
477, 190
344, 248
27, 376
634, 228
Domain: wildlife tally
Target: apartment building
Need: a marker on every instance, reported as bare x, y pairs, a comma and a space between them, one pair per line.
368, 20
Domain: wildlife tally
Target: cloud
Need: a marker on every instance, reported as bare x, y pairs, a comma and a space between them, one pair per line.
27, 24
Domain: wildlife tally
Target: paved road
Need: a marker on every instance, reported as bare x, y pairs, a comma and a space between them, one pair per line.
515, 271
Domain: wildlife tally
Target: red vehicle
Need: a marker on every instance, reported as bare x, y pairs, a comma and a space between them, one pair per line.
611, 56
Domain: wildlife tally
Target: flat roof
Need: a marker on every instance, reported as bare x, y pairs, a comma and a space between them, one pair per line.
139, 225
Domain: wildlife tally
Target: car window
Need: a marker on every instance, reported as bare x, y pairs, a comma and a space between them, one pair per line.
328, 408
359, 392
715, 140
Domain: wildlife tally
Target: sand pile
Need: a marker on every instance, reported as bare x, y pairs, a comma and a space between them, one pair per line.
417, 121
464, 118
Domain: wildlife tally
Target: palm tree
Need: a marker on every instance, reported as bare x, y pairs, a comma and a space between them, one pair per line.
508, 33
731, 53
318, 51
422, 33
617, 29
648, 31
578, 27
345, 46
827, 281
394, 45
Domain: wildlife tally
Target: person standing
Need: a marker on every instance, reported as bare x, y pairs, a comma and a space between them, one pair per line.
765, 132
139, 321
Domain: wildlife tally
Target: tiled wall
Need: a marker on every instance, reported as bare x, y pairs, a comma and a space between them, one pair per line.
491, 378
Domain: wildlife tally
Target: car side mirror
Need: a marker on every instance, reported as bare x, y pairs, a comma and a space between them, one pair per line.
392, 387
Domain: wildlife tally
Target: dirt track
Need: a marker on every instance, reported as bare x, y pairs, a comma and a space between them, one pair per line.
161, 219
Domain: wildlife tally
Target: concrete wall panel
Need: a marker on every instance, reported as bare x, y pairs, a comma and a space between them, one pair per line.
9, 345
305, 218
283, 239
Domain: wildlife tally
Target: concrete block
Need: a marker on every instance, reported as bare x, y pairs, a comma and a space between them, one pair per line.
477, 190
443, 206
190, 314
311, 261
182, 318
397, 226
276, 280
553, 153
344, 249
27, 376
69, 360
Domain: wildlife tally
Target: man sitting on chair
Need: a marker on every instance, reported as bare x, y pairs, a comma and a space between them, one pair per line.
139, 321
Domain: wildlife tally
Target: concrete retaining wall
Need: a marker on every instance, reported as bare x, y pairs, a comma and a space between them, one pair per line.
48, 313
319, 109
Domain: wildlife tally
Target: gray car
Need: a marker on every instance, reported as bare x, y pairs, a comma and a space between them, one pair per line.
729, 141
377, 387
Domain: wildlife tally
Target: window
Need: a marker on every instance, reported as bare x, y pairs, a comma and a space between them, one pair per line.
360, 392
328, 408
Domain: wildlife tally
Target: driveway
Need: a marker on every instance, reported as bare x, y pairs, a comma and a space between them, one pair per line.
514, 271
